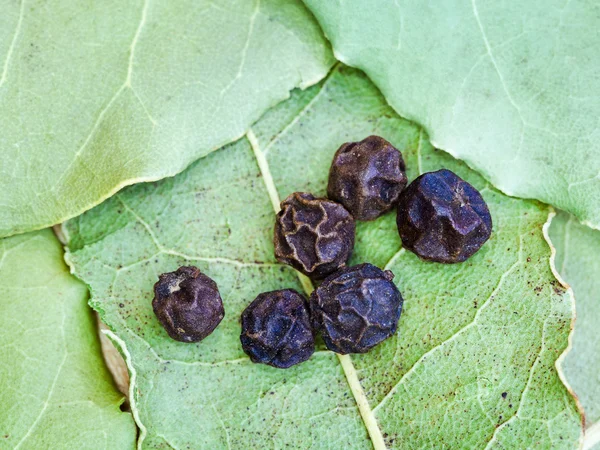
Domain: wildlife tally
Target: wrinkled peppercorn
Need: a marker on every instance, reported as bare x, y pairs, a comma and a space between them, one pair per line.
367, 177
313, 235
188, 304
356, 308
276, 329
443, 218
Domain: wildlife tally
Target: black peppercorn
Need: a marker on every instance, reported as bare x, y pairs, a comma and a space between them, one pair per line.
356, 308
276, 329
367, 177
188, 304
313, 235
443, 218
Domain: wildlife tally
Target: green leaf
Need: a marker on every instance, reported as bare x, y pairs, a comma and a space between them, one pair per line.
95, 96
56, 391
510, 87
472, 364
577, 261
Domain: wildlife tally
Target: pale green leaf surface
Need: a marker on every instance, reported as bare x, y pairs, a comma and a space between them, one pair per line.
578, 261
469, 333
98, 95
510, 87
56, 391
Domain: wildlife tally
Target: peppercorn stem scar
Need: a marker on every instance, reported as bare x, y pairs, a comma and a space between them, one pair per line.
345, 360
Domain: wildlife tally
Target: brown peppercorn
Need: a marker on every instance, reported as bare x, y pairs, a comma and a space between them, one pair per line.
356, 308
187, 303
367, 177
313, 235
443, 218
276, 329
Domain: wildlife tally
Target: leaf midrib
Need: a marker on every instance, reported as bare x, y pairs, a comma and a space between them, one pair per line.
348, 368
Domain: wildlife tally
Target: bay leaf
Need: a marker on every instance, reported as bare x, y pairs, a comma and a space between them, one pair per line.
509, 87
577, 261
56, 391
95, 96
472, 364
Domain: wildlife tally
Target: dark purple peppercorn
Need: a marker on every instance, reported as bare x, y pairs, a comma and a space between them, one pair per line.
443, 218
367, 177
187, 303
313, 235
276, 329
356, 308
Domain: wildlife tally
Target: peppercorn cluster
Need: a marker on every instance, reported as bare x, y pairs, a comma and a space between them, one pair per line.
440, 218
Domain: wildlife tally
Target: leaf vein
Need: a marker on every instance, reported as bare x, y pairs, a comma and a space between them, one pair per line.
52, 387
410, 371
126, 85
163, 250
298, 116
523, 393
493, 59
11, 48
135, 41
348, 368
238, 75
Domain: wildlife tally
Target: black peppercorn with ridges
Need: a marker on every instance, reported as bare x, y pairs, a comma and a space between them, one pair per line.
276, 329
443, 218
313, 235
187, 303
367, 177
356, 308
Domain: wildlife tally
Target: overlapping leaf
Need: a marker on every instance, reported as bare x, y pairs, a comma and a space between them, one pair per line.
56, 391
98, 95
472, 364
510, 87
577, 260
